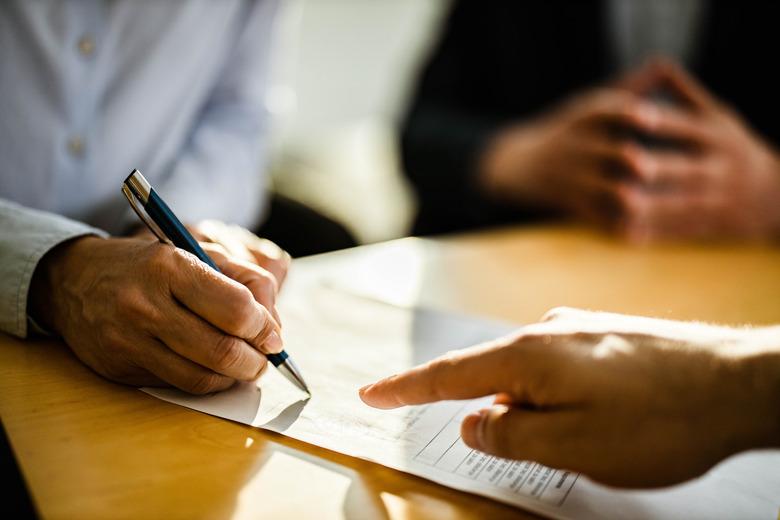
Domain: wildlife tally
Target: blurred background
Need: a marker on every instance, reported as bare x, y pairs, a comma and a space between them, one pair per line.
341, 81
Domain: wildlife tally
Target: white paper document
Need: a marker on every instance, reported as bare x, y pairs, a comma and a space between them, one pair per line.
342, 341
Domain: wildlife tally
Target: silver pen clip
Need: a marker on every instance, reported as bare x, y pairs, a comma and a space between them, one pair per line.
141, 212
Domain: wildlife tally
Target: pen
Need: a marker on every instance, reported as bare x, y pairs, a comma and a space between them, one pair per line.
159, 218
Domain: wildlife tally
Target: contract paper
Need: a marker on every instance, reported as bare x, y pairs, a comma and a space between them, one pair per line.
342, 341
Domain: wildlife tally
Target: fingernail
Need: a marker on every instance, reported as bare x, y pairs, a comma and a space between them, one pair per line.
364, 389
473, 428
273, 343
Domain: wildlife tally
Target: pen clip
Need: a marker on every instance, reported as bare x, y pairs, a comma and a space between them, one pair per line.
139, 210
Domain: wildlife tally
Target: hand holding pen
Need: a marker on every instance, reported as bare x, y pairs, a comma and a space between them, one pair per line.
159, 218
148, 314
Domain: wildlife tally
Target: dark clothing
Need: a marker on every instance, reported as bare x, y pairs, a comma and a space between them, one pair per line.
300, 230
503, 61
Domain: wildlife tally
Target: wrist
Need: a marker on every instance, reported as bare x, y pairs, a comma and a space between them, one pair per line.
53, 279
513, 167
497, 169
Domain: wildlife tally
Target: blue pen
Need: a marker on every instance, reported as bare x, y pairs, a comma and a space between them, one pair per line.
169, 229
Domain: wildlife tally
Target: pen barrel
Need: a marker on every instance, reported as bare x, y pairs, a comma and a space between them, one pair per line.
162, 215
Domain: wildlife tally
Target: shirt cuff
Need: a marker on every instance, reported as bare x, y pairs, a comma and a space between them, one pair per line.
45, 244
27, 236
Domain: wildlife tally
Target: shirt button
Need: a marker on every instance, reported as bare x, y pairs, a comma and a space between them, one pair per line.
76, 146
86, 45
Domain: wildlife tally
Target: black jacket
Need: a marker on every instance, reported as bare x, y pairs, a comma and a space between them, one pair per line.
504, 60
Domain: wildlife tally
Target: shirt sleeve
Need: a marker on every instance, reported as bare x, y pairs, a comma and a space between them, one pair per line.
219, 173
26, 235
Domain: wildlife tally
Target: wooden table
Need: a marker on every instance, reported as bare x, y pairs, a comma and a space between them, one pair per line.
92, 449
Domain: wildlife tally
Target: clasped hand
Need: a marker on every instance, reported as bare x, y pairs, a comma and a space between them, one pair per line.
590, 158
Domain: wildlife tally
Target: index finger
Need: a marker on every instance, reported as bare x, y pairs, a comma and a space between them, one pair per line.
266, 254
675, 123
464, 374
260, 282
223, 302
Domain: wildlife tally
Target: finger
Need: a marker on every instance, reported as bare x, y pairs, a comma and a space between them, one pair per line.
220, 233
669, 214
636, 211
196, 340
222, 301
182, 373
518, 434
616, 106
589, 186
685, 85
474, 372
640, 80
243, 244
260, 282
675, 124
266, 254
660, 169
594, 197
609, 108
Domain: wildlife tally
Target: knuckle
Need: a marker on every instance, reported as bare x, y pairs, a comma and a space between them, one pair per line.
132, 301
262, 368
244, 299
114, 364
630, 157
630, 112
226, 354
267, 281
626, 199
217, 248
439, 368
601, 99
111, 337
497, 435
583, 337
160, 257
244, 312
217, 252
206, 383
113, 342
115, 372
557, 313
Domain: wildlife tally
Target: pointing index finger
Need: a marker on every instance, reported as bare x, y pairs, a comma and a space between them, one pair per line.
464, 374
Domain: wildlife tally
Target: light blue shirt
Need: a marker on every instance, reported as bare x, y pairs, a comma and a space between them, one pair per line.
90, 89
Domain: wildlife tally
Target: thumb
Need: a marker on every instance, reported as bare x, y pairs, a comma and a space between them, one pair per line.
513, 433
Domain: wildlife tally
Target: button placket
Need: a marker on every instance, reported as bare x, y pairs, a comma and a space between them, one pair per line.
76, 146
86, 45
86, 48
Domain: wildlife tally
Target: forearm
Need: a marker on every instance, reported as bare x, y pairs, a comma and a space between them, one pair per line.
26, 235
